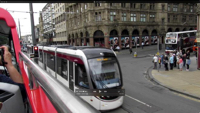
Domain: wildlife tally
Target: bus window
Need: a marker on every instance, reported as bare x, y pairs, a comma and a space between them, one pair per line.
81, 78
62, 67
171, 46
5, 35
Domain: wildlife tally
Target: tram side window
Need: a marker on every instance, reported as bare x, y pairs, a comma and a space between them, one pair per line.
50, 61
40, 57
81, 78
62, 67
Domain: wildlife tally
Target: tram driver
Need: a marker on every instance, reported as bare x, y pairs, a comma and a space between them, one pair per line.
15, 77
82, 77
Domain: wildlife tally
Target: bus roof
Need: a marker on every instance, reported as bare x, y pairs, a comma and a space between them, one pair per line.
182, 32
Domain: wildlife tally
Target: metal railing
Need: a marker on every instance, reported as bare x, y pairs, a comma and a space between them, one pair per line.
61, 97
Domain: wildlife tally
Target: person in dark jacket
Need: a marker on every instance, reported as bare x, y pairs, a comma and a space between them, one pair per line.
188, 60
166, 60
175, 60
130, 50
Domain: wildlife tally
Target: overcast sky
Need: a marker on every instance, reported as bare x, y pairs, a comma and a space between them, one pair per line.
24, 17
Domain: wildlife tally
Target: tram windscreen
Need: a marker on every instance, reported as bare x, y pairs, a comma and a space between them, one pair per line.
171, 46
105, 72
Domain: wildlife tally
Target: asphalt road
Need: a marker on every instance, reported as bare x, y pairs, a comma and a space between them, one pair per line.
142, 96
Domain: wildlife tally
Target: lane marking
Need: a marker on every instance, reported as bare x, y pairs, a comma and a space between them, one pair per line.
139, 101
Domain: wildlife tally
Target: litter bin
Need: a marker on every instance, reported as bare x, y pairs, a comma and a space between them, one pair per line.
160, 46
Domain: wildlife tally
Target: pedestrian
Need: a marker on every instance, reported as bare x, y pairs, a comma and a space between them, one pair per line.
166, 60
175, 60
188, 61
159, 62
155, 60
183, 52
162, 58
118, 48
130, 50
184, 59
171, 61
142, 45
180, 63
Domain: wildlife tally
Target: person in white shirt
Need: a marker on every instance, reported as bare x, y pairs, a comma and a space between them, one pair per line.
155, 60
142, 45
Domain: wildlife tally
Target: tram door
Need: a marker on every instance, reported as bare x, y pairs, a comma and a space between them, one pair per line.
71, 79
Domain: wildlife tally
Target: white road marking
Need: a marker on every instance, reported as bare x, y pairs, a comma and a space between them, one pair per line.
139, 101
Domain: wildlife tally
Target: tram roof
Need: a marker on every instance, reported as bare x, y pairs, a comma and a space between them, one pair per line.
90, 52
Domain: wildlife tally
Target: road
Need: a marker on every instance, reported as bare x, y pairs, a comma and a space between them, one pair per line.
142, 96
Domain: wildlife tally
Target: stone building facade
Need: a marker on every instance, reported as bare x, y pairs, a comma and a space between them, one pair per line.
47, 23
123, 24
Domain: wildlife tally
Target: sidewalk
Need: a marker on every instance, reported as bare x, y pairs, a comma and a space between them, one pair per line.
185, 82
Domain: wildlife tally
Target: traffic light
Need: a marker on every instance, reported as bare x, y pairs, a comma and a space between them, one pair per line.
36, 51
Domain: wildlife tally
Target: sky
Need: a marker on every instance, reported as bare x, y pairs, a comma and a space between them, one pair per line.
24, 18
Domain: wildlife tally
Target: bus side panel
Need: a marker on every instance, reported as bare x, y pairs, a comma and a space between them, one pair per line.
38, 100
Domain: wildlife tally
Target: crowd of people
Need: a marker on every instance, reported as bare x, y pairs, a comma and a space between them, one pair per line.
179, 59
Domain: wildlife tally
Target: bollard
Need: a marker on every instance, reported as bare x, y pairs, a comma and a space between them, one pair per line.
135, 54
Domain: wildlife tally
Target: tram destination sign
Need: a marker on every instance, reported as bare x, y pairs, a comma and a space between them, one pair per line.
100, 92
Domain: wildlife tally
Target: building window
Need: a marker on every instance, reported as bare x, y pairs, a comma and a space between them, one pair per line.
97, 4
185, 8
81, 9
195, 19
133, 17
184, 18
191, 18
175, 18
142, 17
112, 16
123, 4
163, 8
142, 6
168, 7
152, 6
191, 9
85, 6
97, 16
163, 21
175, 7
86, 18
112, 4
168, 18
123, 16
133, 5
152, 17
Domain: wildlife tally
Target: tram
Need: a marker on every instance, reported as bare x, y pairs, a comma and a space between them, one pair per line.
83, 67
44, 93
